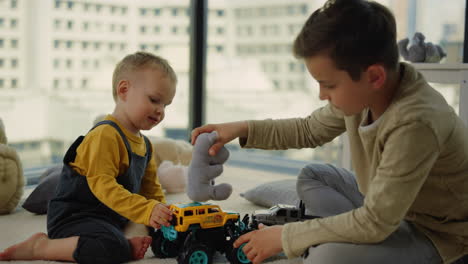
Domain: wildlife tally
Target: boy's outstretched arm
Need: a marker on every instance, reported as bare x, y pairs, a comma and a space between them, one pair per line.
262, 243
226, 133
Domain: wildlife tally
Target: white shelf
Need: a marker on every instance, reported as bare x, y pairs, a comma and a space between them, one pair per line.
449, 73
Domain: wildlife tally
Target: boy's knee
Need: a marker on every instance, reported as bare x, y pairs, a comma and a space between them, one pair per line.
311, 172
111, 249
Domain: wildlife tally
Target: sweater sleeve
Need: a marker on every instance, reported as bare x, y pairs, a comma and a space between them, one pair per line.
409, 154
322, 126
99, 158
150, 186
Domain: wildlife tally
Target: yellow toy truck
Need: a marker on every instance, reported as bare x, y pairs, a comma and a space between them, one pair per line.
197, 230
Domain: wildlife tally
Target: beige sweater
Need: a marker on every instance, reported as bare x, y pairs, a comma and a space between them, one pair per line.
412, 163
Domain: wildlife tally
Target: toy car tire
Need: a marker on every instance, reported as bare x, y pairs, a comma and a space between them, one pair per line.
161, 247
196, 253
236, 255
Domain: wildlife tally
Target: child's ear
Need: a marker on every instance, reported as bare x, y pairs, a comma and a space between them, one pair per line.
376, 75
122, 89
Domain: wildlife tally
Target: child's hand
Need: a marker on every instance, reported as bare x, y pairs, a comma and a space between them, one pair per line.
262, 243
161, 215
226, 133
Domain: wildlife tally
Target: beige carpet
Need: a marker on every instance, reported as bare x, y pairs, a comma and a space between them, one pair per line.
21, 224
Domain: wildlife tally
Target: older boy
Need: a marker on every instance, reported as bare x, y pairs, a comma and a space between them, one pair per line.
408, 202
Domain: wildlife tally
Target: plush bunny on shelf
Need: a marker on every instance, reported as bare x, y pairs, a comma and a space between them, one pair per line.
419, 50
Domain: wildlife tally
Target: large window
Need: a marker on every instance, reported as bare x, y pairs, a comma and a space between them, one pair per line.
252, 74
57, 58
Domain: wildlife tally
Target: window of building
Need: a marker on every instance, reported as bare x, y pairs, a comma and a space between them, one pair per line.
157, 29
14, 43
14, 83
2, 83
157, 11
13, 23
86, 7
57, 24
56, 84
84, 83
1, 63
113, 10
14, 63
85, 26
14, 4
2, 43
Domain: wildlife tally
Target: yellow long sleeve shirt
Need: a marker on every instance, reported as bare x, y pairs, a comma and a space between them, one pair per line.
102, 156
411, 163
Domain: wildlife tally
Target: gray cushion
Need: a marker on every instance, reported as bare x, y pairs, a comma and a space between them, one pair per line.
272, 193
38, 201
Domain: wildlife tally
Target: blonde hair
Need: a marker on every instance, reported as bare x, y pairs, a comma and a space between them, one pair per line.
138, 61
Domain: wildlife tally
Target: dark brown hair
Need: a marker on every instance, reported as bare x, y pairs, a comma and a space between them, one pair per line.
353, 33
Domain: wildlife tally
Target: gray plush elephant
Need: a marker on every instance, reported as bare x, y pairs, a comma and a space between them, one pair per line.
203, 169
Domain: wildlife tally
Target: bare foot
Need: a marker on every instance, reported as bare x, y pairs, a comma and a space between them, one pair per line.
27, 250
139, 246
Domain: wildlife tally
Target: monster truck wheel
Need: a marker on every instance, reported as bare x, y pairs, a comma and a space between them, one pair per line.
197, 253
163, 248
237, 255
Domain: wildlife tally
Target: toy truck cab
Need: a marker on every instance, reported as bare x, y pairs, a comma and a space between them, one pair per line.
279, 215
199, 215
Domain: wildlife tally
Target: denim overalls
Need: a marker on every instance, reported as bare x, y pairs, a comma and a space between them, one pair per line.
75, 211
